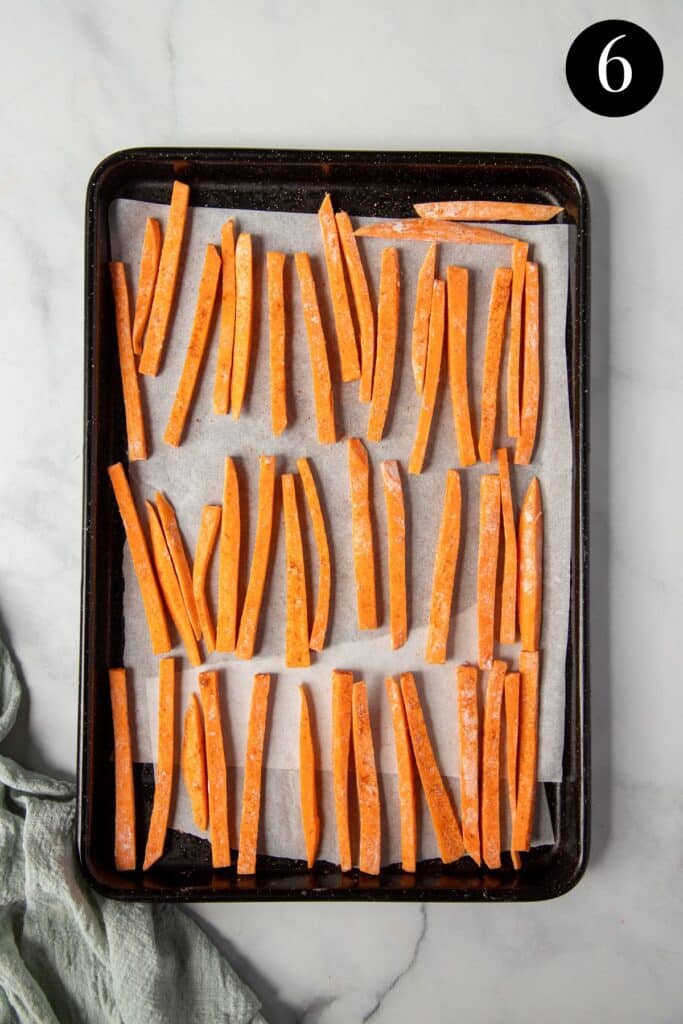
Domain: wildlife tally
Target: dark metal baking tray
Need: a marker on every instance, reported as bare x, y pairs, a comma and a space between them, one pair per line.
368, 184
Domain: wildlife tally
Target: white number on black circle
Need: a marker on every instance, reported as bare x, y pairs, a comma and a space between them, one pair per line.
605, 59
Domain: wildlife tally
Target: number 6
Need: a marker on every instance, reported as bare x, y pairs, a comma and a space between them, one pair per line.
605, 59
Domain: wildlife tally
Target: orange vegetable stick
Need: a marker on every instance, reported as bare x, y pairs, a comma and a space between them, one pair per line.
251, 792
342, 687
346, 336
457, 279
407, 795
361, 535
174, 542
275, 263
468, 734
322, 607
441, 811
317, 348
361, 299
206, 299
124, 793
487, 566
530, 595
423, 306
477, 210
531, 385
229, 561
490, 794
193, 759
135, 423
142, 563
260, 559
495, 333
296, 637
432, 377
170, 587
419, 230
511, 745
519, 255
226, 335
528, 751
164, 289
307, 782
149, 266
445, 564
369, 851
387, 336
163, 781
396, 536
508, 597
216, 770
244, 313
206, 541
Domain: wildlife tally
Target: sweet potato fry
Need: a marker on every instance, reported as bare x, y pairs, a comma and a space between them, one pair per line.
361, 299
244, 312
370, 842
226, 334
457, 281
310, 818
531, 384
530, 597
468, 735
441, 811
407, 795
149, 266
229, 561
165, 286
361, 535
342, 687
206, 299
487, 566
387, 337
445, 564
163, 778
142, 563
260, 559
253, 764
528, 751
432, 377
176, 548
124, 794
421, 230
170, 587
193, 760
519, 255
317, 348
424, 298
511, 745
132, 405
296, 638
206, 541
275, 264
487, 211
508, 596
490, 792
322, 607
216, 770
495, 333
396, 538
346, 336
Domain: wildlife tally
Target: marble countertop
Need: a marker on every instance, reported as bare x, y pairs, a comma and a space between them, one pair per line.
80, 80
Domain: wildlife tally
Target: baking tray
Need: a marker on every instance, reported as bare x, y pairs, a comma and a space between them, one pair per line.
366, 184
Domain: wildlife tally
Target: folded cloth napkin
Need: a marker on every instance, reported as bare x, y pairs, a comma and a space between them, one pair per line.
68, 955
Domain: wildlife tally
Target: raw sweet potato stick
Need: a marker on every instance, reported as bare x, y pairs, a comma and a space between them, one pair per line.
457, 281
322, 607
226, 334
511, 747
206, 542
407, 794
528, 751
124, 794
519, 255
396, 546
297, 654
487, 566
432, 377
530, 597
229, 561
253, 769
445, 564
317, 348
170, 587
495, 333
163, 776
531, 382
468, 735
387, 337
487, 211
244, 314
193, 761
370, 842
508, 596
275, 264
346, 336
260, 559
342, 688
130, 384
149, 267
365, 314
216, 770
420, 230
310, 818
490, 791
174, 542
361, 535
423, 308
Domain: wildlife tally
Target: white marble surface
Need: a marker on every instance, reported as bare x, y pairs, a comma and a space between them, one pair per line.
79, 80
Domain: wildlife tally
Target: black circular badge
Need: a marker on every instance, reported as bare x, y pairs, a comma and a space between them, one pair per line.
614, 68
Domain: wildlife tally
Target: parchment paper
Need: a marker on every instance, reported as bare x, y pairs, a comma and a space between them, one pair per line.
192, 476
